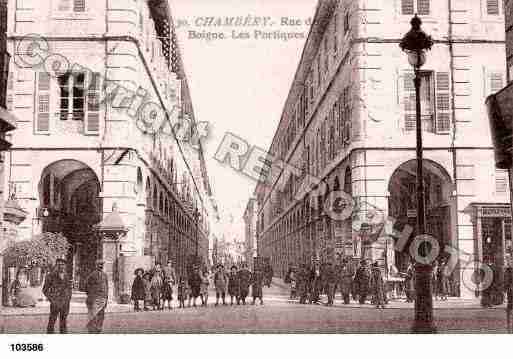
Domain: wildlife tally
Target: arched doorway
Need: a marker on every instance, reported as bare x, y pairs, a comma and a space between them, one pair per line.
70, 204
402, 204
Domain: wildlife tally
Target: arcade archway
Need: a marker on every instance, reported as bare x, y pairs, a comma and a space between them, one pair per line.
69, 203
402, 204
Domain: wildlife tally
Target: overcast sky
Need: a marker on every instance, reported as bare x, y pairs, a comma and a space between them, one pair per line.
239, 85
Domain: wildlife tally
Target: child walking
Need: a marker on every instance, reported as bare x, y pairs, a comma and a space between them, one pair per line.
138, 292
167, 293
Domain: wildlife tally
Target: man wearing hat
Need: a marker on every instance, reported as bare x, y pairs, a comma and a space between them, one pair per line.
97, 289
57, 289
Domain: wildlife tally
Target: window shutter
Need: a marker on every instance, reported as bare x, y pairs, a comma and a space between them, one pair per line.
501, 181
409, 101
496, 81
423, 7
43, 103
79, 5
443, 115
407, 7
492, 7
92, 115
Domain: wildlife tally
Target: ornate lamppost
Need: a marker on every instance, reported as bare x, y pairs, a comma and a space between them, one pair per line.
415, 44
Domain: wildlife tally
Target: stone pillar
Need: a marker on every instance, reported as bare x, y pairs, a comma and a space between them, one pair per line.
110, 254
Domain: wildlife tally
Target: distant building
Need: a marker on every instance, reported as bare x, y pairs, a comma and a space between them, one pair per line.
349, 120
250, 239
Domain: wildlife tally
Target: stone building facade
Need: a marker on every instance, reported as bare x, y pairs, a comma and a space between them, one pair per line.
9, 211
250, 219
98, 92
349, 120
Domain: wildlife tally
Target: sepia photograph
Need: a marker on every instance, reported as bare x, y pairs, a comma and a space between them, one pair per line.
255, 167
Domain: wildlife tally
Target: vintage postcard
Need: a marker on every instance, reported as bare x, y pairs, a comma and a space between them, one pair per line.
255, 167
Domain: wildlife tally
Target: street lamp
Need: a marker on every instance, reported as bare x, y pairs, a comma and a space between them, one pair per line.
414, 44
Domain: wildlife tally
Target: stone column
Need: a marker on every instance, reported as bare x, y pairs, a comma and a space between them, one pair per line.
110, 254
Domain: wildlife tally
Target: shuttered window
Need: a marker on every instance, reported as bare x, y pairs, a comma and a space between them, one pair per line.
407, 7
423, 7
501, 181
409, 101
92, 115
443, 115
496, 80
79, 5
10, 92
42, 125
492, 7
410, 7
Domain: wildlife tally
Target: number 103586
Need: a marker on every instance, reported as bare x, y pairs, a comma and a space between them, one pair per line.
26, 347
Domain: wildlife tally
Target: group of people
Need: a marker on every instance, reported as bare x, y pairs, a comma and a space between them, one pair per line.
308, 283
440, 281
362, 283
58, 289
154, 289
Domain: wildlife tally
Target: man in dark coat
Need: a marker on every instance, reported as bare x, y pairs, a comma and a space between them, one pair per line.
195, 284
362, 279
315, 284
330, 282
233, 285
377, 286
257, 282
346, 281
97, 289
57, 289
244, 281
302, 283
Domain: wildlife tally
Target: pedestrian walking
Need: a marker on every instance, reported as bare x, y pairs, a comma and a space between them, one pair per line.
293, 284
97, 289
194, 285
362, 279
157, 282
167, 293
182, 292
233, 285
315, 284
330, 282
434, 280
409, 283
205, 283
138, 290
444, 280
257, 282
147, 290
57, 289
377, 286
268, 275
302, 283
244, 276
220, 282
346, 281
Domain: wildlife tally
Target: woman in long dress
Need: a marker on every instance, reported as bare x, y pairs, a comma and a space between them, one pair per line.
19, 290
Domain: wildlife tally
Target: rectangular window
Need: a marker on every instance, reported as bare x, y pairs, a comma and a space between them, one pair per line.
420, 7
492, 7
501, 181
79, 5
426, 100
42, 121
